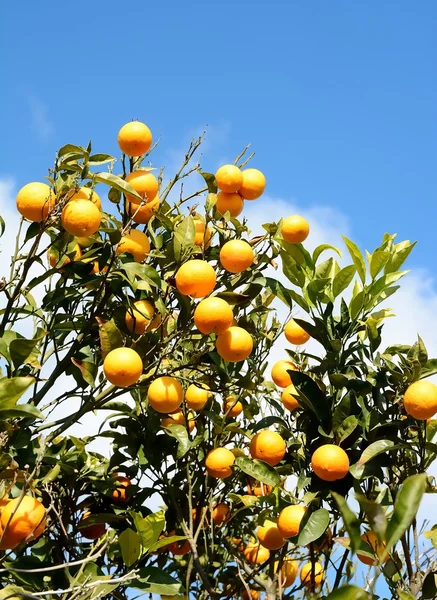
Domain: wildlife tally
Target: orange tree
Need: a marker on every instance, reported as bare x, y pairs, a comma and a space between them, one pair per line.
299, 479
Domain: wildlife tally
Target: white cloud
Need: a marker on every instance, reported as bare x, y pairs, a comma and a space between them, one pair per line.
41, 122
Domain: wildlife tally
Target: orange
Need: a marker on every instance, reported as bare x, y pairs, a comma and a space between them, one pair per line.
256, 554
21, 520
142, 213
288, 572
213, 315
136, 243
289, 520
295, 334
134, 138
236, 256
268, 446
252, 595
92, 532
305, 574
255, 488
197, 396
420, 400
375, 547
165, 394
81, 217
178, 418
254, 184
142, 317
269, 536
63, 260
203, 233
295, 229
119, 493
178, 548
85, 193
232, 203
221, 513
289, 398
195, 278
324, 541
144, 183
234, 345
232, 407
330, 462
123, 367
280, 375
35, 200
219, 462
229, 178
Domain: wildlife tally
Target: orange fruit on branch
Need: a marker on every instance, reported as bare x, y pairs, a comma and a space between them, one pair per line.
221, 513
35, 201
280, 374
289, 398
81, 217
142, 317
255, 554
91, 532
178, 418
119, 493
295, 334
203, 233
64, 259
289, 520
288, 572
229, 178
330, 462
269, 536
232, 407
197, 396
295, 229
374, 547
195, 278
21, 520
134, 138
268, 446
232, 203
136, 243
234, 345
85, 193
420, 400
144, 183
236, 256
306, 574
142, 213
123, 367
219, 462
165, 394
254, 184
213, 315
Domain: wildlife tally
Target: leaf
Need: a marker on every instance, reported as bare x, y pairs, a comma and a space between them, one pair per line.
166, 541
370, 452
259, 470
348, 592
347, 427
21, 348
405, 507
116, 182
32, 231
377, 262
185, 232
315, 287
429, 369
69, 148
422, 352
110, 336
100, 159
22, 411
154, 580
357, 257
12, 389
322, 248
401, 254
3, 226
375, 515
312, 397
279, 290
429, 586
314, 527
130, 544
149, 528
180, 433
343, 279
233, 298
351, 521
210, 182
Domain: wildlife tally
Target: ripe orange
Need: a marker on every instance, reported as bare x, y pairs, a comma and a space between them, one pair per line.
232, 407
213, 315
374, 547
63, 260
136, 243
252, 595
85, 193
92, 532
21, 520
255, 488
142, 213
254, 184
330, 462
288, 571
289, 520
119, 493
295, 229
256, 554
144, 183
142, 317
305, 574
280, 375
236, 256
219, 462
134, 138
234, 345
268, 446
229, 178
195, 278
178, 418
295, 334
420, 400
197, 396
269, 536
232, 203
324, 541
123, 367
178, 548
165, 394
80, 217
35, 200
289, 398
221, 513
203, 233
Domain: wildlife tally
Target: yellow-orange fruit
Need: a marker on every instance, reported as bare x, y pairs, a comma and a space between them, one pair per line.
374, 547
289, 398
203, 233
229, 178
289, 520
21, 520
232, 203
236, 256
136, 243
64, 259
268, 446
269, 536
179, 548
119, 493
256, 554
254, 184
195, 278
142, 213
330, 462
197, 396
219, 462
142, 317
288, 572
234, 345
255, 488
420, 400
85, 193
305, 574
165, 394
144, 183
295, 334
134, 138
35, 200
213, 315
280, 375
123, 367
221, 513
92, 532
232, 407
81, 218
178, 418
252, 595
295, 229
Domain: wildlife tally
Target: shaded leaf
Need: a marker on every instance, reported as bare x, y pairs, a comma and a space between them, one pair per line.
314, 527
210, 182
259, 470
110, 336
156, 581
351, 521
130, 544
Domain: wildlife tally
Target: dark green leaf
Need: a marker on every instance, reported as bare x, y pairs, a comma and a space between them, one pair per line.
314, 527
375, 515
347, 427
429, 586
350, 520
21, 348
429, 369
279, 290
312, 397
259, 470
370, 452
180, 433
154, 580
22, 411
110, 336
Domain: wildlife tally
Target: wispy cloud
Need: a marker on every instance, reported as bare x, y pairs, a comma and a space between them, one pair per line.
41, 123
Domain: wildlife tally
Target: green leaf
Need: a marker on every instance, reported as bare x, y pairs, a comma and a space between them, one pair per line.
314, 527
210, 182
429, 369
69, 148
312, 397
315, 287
130, 544
110, 336
185, 232
322, 248
166, 541
259, 470
12, 389
347, 427
429, 586
375, 515
279, 290
377, 262
422, 352
370, 452
21, 348
405, 508
149, 528
3, 226
116, 182
402, 251
22, 411
100, 159
343, 279
180, 433
154, 580
357, 257
356, 304
348, 592
351, 521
